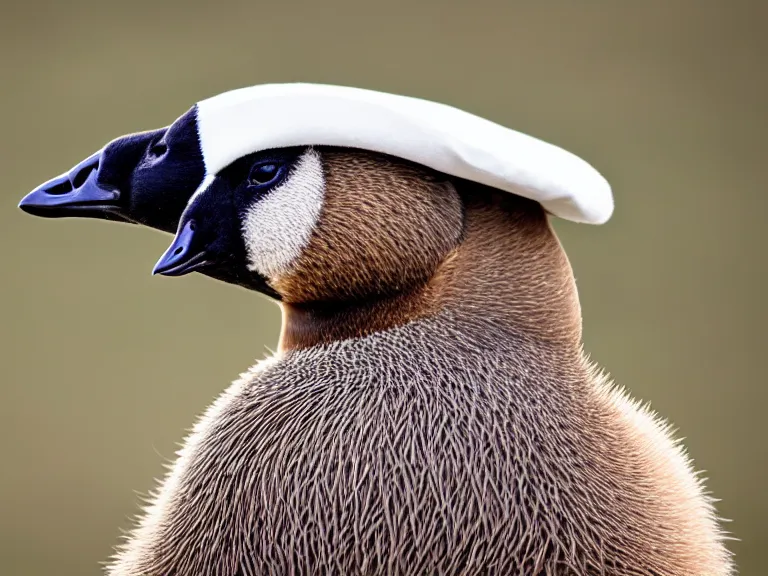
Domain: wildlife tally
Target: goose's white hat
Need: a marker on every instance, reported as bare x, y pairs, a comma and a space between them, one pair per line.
247, 120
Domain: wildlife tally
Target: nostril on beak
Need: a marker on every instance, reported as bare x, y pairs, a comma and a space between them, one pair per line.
74, 193
182, 256
82, 174
59, 188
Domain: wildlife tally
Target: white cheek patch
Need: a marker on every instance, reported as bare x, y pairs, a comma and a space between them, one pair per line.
277, 227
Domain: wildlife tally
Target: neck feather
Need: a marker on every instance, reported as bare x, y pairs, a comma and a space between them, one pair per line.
508, 273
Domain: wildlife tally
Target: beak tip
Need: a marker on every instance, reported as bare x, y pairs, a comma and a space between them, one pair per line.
181, 258
28, 201
160, 267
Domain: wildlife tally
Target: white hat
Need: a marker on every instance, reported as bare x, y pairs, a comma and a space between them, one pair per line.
248, 120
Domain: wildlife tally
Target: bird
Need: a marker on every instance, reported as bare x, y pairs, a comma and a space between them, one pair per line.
430, 408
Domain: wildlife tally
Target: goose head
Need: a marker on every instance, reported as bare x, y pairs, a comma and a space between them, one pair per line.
145, 178
311, 224
151, 178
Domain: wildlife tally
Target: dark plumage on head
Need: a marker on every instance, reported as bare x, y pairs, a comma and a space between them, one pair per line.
319, 224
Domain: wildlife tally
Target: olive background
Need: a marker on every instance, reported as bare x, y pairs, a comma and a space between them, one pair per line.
104, 367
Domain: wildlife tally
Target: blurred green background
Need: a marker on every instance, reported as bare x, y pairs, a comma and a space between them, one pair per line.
104, 367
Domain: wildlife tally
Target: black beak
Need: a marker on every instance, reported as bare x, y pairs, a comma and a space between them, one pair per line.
184, 255
75, 193
144, 178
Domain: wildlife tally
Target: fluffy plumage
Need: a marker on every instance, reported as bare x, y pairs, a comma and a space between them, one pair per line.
386, 456
447, 424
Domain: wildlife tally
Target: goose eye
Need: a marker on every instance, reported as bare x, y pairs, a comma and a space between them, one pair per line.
263, 173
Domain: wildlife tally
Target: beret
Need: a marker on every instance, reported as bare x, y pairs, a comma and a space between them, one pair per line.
447, 139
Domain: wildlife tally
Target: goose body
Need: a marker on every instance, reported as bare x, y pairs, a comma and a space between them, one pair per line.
385, 455
429, 410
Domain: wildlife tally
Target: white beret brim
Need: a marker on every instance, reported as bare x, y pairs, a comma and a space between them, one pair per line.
240, 122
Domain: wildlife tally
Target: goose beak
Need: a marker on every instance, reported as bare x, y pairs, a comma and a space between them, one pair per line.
126, 182
75, 193
184, 255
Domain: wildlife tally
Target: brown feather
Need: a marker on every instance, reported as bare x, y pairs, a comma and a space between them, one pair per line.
430, 412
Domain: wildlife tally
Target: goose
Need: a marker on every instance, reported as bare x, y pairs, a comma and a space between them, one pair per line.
430, 408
